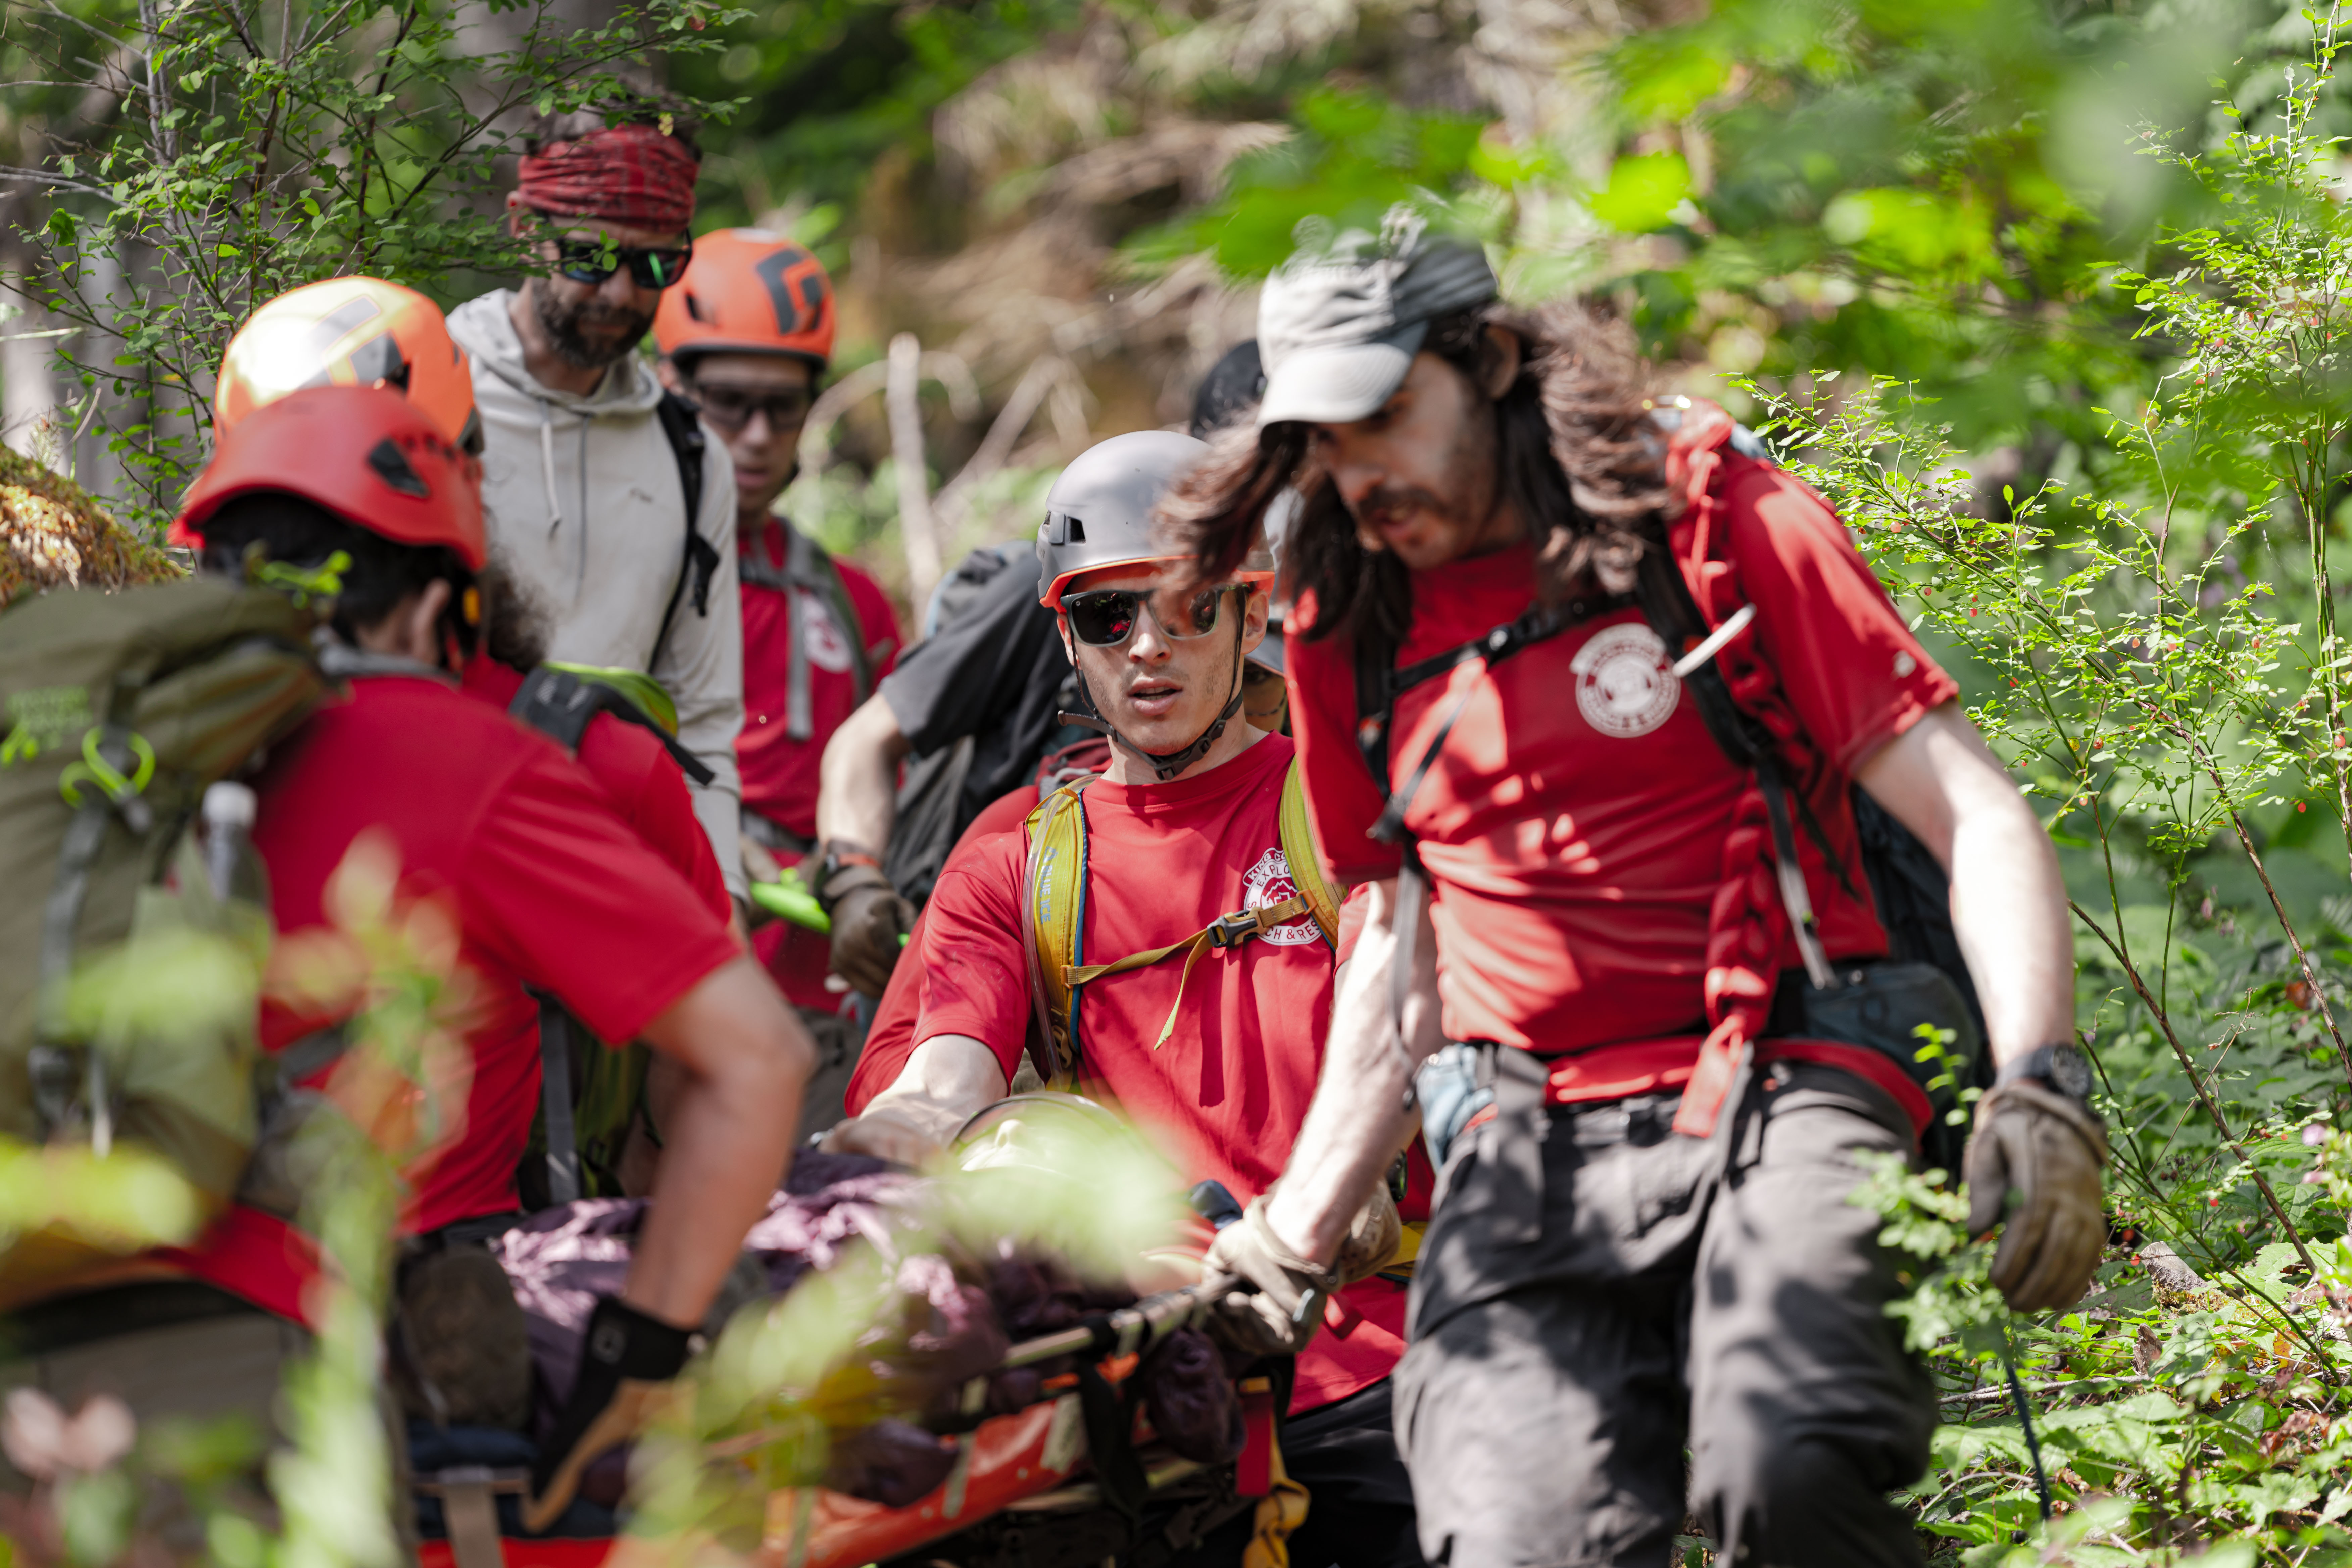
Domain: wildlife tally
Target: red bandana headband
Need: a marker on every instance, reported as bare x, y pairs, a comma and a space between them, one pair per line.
630, 175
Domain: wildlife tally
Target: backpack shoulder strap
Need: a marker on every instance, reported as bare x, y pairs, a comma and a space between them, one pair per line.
1375, 701
813, 566
560, 700
1053, 917
1304, 859
683, 429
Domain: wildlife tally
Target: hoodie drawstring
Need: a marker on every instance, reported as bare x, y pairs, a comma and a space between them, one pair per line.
547, 464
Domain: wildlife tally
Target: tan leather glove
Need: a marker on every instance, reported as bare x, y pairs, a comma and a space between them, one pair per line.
1373, 1238
2051, 1151
1283, 1313
869, 920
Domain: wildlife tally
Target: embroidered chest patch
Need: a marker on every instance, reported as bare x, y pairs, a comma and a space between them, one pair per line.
1625, 686
1267, 884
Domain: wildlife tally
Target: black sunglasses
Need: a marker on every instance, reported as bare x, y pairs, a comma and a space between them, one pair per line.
1106, 617
593, 260
729, 408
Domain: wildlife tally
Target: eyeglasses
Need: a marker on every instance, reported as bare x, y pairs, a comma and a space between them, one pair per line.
1106, 617
729, 408
593, 260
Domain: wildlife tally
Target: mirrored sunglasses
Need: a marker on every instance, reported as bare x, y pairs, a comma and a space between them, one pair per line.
1106, 617
593, 261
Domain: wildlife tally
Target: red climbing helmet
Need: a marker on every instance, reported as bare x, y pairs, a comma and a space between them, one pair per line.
364, 453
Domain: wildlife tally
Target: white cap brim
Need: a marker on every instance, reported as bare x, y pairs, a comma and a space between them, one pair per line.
1342, 382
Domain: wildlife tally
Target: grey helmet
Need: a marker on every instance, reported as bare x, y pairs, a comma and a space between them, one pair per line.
1098, 515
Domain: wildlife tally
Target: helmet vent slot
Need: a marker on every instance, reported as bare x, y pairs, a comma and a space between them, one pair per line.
392, 466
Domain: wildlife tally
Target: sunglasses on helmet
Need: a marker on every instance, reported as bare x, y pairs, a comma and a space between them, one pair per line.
1106, 617
593, 260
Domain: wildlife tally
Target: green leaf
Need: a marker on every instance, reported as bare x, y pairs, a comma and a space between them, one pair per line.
1643, 192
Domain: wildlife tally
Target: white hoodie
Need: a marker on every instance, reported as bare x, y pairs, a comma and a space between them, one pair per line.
585, 506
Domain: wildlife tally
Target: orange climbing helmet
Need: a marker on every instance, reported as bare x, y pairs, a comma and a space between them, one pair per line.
350, 332
366, 454
749, 291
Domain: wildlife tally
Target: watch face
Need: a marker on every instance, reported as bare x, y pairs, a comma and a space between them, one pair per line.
2069, 1072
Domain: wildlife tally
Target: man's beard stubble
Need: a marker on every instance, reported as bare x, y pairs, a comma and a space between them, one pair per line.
1465, 497
573, 347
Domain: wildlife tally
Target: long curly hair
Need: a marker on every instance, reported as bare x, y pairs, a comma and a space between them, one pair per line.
1574, 448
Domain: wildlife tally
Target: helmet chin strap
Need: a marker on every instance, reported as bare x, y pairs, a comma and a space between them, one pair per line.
1166, 765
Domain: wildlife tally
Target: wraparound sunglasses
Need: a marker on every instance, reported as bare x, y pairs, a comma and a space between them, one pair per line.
1106, 617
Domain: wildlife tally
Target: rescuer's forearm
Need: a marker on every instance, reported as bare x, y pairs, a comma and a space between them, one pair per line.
948, 1080
727, 1135
1358, 1120
857, 781
2009, 903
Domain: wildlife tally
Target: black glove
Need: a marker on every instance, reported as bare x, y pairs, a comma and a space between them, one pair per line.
2052, 1150
870, 922
624, 1363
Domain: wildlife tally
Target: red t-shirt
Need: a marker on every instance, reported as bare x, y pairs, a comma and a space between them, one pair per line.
1573, 828
890, 1039
1227, 1094
494, 825
646, 785
780, 774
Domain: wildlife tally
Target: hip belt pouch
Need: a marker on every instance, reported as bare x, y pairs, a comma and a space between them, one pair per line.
1450, 1094
1886, 1008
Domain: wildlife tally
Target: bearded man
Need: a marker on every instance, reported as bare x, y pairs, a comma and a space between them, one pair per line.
606, 496
1566, 655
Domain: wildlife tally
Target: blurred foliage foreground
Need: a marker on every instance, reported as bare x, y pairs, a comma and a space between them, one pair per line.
763, 1409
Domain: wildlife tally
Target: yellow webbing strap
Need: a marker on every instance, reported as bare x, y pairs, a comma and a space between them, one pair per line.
1226, 931
1053, 911
1305, 861
1056, 912
1282, 1510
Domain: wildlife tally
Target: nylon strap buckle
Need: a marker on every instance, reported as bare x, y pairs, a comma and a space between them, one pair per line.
1233, 930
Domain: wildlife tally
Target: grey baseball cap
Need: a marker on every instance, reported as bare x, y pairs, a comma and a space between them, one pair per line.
1339, 324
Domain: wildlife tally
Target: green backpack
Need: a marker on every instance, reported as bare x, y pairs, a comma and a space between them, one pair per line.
130, 945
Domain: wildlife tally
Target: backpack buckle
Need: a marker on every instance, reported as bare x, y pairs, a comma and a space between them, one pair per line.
1233, 930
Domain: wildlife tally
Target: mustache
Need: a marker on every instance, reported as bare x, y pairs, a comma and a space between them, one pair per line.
1389, 500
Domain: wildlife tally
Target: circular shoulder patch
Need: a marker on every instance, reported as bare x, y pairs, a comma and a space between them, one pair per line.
1626, 685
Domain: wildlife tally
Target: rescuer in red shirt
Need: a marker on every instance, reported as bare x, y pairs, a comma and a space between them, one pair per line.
492, 825
1537, 613
365, 332
1211, 1049
744, 337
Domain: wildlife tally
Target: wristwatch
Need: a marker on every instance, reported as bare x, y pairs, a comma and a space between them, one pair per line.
838, 854
2058, 1067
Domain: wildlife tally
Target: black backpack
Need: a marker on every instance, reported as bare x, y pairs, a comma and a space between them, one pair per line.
931, 791
683, 429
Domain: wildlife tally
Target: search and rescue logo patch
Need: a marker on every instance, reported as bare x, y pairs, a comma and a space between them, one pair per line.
821, 634
1626, 685
1267, 884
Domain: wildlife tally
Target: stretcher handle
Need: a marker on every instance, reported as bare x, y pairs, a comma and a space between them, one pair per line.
1128, 1331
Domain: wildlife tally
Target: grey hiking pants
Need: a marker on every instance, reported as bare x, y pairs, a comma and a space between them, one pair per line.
1552, 1383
